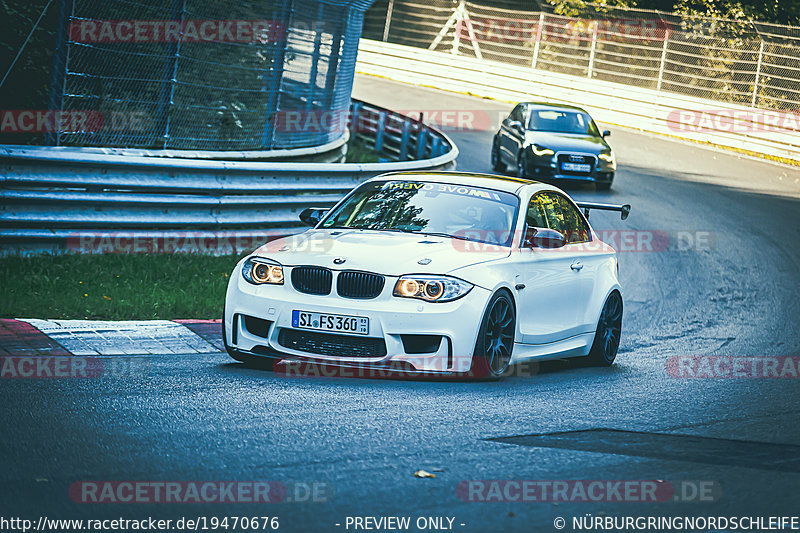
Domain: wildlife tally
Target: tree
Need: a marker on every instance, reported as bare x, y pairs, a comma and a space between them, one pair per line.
775, 11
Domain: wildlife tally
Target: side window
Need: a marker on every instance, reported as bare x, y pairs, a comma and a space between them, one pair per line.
544, 211
535, 217
576, 227
552, 208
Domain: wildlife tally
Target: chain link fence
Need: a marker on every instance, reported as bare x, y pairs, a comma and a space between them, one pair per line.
734, 61
204, 74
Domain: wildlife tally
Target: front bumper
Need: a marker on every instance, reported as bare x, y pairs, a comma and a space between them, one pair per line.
549, 168
272, 334
594, 177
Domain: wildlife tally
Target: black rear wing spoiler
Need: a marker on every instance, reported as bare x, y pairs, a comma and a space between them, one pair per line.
623, 209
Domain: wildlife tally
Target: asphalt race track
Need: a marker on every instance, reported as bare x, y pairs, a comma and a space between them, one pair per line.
724, 281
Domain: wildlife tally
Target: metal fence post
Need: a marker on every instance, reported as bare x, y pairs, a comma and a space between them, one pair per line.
58, 75
404, 140
538, 41
170, 76
422, 140
592, 50
661, 65
312, 76
436, 147
473, 38
379, 130
454, 21
274, 86
758, 73
459, 20
333, 65
388, 23
356, 108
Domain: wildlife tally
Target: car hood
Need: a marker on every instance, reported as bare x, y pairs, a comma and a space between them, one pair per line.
388, 253
567, 142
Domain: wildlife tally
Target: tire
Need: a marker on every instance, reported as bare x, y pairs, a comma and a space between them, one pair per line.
250, 361
605, 185
521, 166
497, 163
608, 333
495, 341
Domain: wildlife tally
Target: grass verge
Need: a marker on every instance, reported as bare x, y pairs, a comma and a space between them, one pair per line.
114, 287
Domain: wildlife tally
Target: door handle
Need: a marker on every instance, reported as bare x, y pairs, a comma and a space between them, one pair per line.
577, 265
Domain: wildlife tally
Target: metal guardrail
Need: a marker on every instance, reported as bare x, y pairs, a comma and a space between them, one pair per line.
49, 195
771, 133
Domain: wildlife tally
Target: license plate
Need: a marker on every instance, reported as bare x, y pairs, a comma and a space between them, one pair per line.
325, 322
576, 167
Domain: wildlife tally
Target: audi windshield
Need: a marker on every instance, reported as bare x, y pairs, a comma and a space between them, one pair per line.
562, 121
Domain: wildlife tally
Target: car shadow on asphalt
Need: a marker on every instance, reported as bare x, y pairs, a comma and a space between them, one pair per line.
576, 367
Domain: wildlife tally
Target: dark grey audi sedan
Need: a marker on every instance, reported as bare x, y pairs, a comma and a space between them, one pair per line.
552, 143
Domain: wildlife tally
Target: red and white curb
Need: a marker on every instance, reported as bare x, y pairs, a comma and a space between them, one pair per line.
35, 337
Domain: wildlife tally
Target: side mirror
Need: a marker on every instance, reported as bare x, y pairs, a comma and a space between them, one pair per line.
311, 216
546, 238
515, 125
606, 133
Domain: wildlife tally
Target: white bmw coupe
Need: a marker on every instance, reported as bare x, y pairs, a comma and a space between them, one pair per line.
432, 272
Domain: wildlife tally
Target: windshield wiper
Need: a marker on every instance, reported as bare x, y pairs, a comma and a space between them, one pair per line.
350, 227
442, 234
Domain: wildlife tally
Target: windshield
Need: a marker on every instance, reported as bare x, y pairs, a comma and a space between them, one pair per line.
561, 121
458, 211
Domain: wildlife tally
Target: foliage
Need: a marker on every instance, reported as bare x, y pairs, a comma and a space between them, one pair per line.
775, 11
574, 8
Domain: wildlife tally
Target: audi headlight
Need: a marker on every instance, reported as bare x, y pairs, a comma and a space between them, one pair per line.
540, 150
431, 288
259, 271
608, 157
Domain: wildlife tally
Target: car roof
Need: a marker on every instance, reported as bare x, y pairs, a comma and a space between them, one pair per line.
472, 179
548, 105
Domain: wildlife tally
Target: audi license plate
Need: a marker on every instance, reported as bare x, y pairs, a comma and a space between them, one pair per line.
325, 322
576, 167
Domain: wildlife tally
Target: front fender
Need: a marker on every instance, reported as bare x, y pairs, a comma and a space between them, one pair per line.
490, 275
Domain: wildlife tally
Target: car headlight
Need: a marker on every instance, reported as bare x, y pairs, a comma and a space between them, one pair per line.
607, 157
540, 150
431, 288
259, 271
